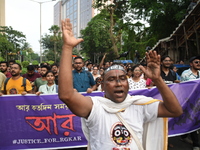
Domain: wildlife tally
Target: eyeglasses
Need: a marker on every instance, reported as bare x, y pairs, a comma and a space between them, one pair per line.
78, 63
138, 70
167, 60
197, 62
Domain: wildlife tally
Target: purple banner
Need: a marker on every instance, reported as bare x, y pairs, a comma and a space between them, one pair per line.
31, 121
38, 122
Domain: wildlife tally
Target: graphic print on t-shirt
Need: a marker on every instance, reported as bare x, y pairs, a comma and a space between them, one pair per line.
120, 135
13, 91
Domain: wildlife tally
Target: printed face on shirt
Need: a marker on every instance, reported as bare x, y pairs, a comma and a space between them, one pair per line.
50, 77
78, 64
15, 70
120, 135
195, 64
115, 85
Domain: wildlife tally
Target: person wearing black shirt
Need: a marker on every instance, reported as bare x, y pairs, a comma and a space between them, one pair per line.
168, 75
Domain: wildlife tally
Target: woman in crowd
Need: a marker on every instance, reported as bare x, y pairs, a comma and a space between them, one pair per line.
135, 82
129, 72
50, 87
95, 73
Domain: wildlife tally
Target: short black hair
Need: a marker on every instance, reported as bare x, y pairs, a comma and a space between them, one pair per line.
4, 62
30, 68
55, 64
20, 67
46, 66
88, 64
13, 61
129, 69
49, 71
78, 57
165, 56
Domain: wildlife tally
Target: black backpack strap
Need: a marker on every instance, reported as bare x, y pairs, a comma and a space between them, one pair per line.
24, 84
5, 83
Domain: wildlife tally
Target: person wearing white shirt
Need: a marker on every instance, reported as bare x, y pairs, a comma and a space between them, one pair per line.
50, 87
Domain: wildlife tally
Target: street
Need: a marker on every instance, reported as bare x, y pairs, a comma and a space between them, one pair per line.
178, 144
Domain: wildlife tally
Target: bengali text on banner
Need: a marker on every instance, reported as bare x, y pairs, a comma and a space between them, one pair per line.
36, 122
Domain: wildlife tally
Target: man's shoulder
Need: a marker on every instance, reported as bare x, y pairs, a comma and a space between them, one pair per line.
36, 74
38, 79
186, 71
2, 75
25, 75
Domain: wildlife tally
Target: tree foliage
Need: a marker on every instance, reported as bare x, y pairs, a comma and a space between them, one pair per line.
11, 41
96, 37
52, 44
163, 16
116, 11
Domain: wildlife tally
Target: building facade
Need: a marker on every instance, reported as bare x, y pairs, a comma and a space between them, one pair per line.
2, 13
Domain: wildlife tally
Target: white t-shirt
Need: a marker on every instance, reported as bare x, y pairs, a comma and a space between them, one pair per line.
45, 89
136, 85
107, 132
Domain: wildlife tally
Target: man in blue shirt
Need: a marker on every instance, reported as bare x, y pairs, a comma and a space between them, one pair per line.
83, 80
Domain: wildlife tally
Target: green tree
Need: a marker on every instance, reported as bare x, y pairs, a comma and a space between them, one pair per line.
52, 44
116, 12
5, 46
12, 40
96, 37
55, 38
163, 16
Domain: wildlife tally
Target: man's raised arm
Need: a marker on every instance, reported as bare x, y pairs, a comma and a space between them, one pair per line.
77, 103
170, 106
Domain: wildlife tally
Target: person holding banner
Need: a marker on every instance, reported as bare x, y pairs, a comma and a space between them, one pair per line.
118, 120
191, 74
16, 84
50, 87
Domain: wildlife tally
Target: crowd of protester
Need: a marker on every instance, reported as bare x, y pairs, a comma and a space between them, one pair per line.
87, 77
38, 75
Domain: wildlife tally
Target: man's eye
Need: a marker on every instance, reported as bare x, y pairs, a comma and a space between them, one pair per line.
111, 79
123, 78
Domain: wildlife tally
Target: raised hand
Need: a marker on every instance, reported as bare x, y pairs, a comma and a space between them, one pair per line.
153, 65
68, 37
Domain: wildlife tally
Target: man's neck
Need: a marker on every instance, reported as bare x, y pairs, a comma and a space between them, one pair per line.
5, 72
16, 77
194, 71
165, 69
43, 78
50, 84
79, 71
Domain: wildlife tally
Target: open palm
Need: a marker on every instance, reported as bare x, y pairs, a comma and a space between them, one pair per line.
68, 37
153, 65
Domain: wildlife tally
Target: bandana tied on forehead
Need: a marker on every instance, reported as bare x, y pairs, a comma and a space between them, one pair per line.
114, 67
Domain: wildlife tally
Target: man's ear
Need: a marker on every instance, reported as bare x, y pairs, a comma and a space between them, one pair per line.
102, 85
